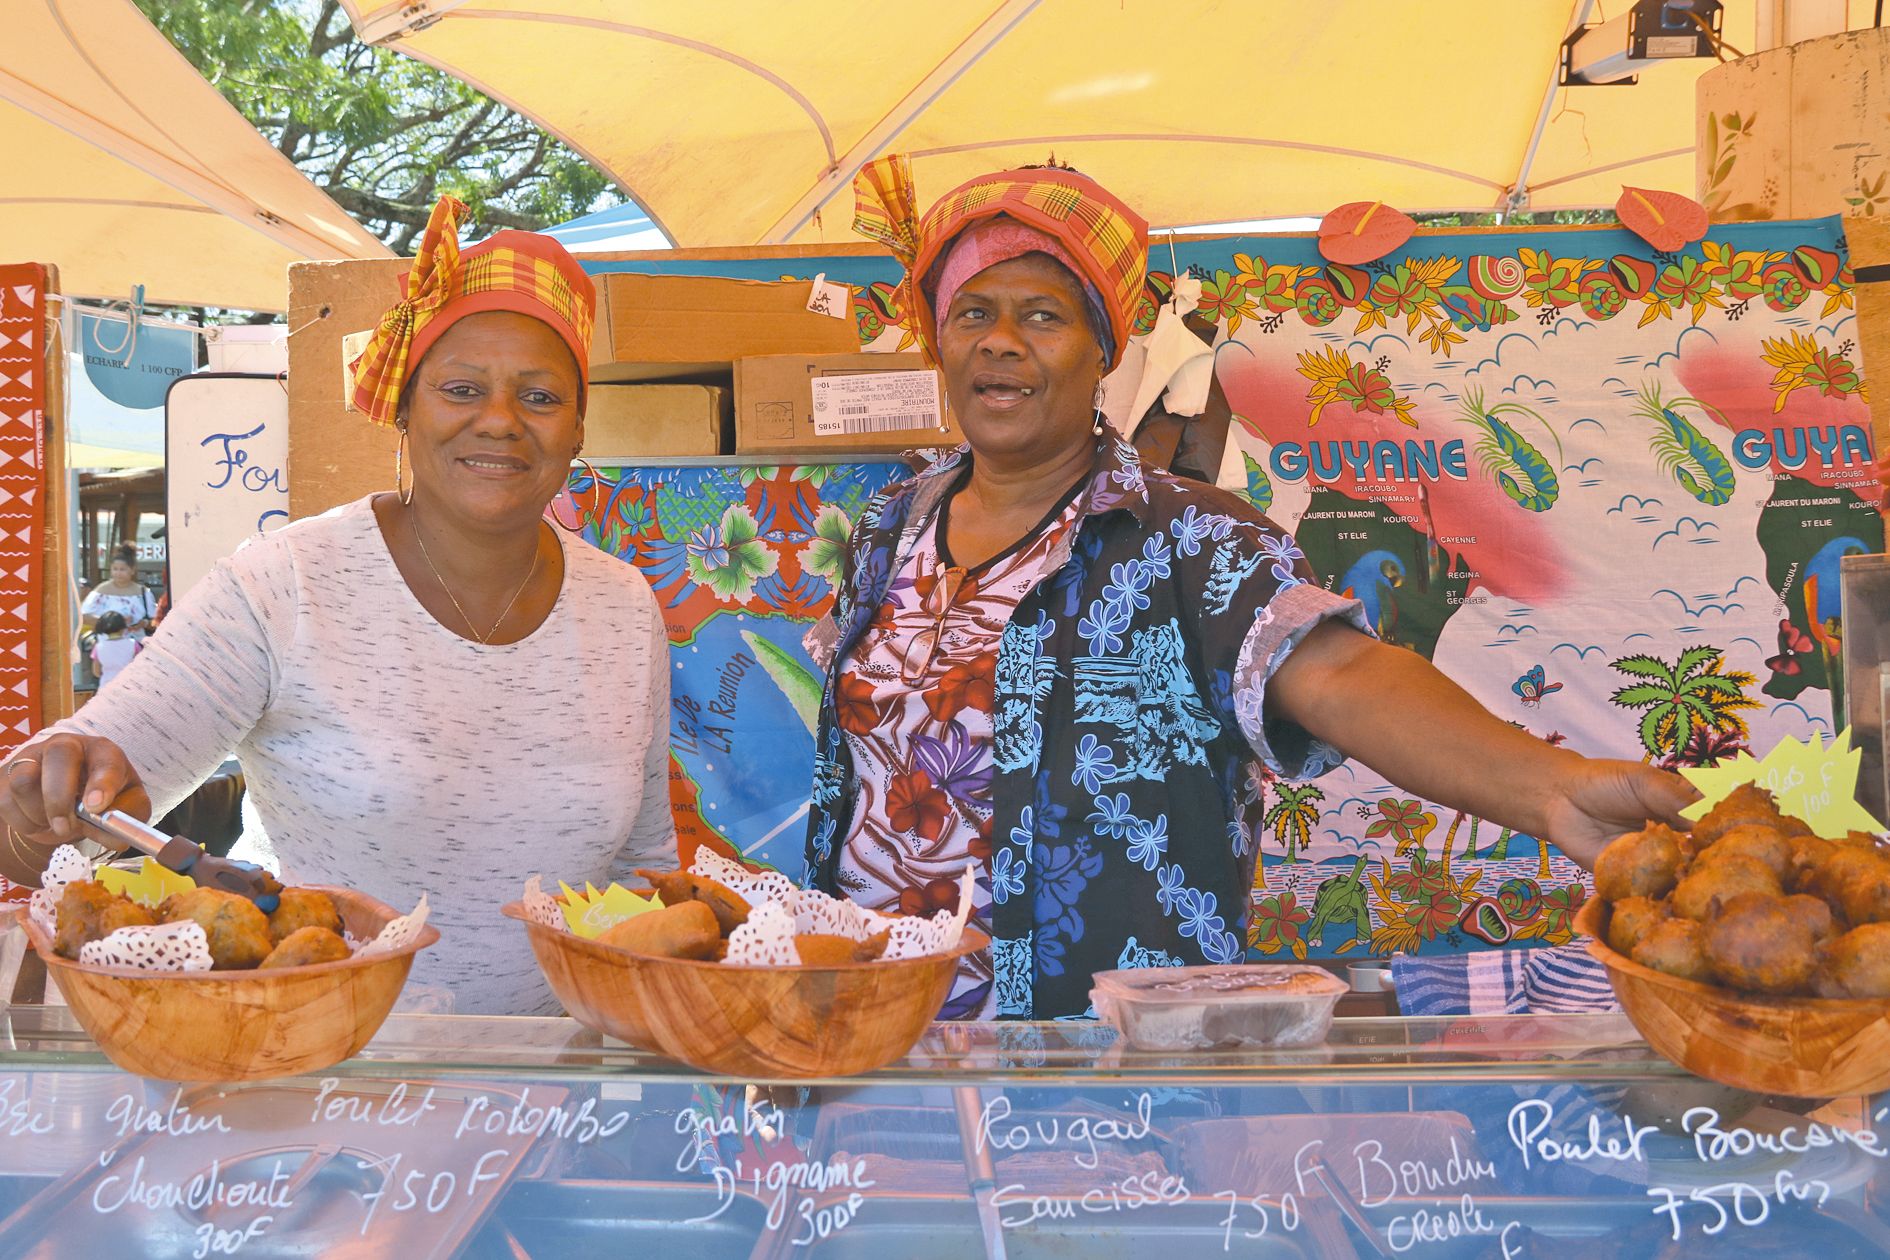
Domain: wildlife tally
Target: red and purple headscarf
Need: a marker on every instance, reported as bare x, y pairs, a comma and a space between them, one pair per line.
1002, 216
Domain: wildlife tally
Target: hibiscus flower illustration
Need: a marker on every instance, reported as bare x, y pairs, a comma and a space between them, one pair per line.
915, 805
728, 556
966, 684
1277, 923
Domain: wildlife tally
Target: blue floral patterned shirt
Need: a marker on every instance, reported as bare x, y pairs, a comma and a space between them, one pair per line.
1129, 715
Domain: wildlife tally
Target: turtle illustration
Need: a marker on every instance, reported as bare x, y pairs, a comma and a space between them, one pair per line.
1338, 900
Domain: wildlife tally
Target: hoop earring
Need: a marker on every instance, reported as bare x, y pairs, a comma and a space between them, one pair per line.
597, 492
400, 459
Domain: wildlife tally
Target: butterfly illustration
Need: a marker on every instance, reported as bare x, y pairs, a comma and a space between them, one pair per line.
1532, 688
1792, 643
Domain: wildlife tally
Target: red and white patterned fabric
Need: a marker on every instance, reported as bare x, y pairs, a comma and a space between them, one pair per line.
915, 705
22, 481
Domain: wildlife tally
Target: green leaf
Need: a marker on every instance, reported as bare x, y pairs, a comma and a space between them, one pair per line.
1644, 667
795, 680
1641, 695
1695, 659
1651, 729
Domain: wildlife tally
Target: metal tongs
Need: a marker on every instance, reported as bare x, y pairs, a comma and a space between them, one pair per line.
187, 857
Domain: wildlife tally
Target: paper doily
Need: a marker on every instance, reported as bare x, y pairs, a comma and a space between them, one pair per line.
780, 911
754, 887
398, 934
766, 940
541, 907
67, 866
155, 947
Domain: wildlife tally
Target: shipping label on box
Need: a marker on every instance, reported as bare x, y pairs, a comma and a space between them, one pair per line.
876, 402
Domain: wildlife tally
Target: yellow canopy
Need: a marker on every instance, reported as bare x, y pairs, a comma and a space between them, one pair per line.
83, 455
122, 166
743, 121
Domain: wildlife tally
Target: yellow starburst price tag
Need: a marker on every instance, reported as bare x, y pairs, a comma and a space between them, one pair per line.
149, 885
590, 912
1816, 782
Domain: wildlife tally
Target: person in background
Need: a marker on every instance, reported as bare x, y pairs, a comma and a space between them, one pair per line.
1075, 674
122, 593
412, 681
113, 648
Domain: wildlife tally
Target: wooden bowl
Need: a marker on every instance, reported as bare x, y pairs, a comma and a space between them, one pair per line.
752, 1022
239, 1025
1802, 1046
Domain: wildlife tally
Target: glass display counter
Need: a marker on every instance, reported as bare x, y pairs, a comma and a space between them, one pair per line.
1527, 1136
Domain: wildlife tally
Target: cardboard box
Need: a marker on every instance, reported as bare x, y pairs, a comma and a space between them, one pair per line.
681, 326
641, 421
656, 327
839, 402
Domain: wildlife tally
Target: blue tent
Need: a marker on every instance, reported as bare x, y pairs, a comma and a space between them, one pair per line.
618, 228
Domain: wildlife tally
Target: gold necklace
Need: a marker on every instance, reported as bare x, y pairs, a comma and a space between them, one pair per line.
485, 640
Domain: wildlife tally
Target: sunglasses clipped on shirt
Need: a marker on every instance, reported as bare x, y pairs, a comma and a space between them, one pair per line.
947, 585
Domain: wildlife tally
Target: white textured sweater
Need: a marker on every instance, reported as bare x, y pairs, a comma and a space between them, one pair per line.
383, 752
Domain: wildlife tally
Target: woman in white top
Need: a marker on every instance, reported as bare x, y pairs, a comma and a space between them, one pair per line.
123, 594
430, 690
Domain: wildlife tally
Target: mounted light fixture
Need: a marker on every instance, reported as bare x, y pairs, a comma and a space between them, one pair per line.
1650, 32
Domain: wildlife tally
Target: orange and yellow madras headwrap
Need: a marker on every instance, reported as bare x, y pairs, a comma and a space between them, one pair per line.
1107, 240
380, 374
515, 271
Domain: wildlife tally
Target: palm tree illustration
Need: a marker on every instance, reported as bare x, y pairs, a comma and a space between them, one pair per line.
1293, 815
1690, 694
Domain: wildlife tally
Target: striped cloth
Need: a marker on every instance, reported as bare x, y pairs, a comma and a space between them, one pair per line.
1560, 979
523, 272
1108, 241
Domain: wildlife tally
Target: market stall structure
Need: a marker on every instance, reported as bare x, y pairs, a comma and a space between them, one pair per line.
1609, 484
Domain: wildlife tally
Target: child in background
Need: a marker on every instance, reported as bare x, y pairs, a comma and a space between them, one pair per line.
114, 649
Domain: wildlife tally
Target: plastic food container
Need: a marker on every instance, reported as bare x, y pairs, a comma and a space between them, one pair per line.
1200, 1008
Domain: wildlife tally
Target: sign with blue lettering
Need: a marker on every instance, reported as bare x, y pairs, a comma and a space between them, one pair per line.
134, 366
227, 454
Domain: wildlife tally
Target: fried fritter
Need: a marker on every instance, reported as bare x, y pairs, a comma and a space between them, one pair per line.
1747, 803
1758, 944
1807, 852
300, 908
687, 930
1763, 844
1674, 947
1631, 920
88, 911
1639, 864
1824, 925
237, 931
1855, 882
678, 887
305, 946
1721, 881
821, 949
1857, 965
1861, 840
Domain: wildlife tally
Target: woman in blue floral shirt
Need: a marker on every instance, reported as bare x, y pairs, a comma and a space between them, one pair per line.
1071, 670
